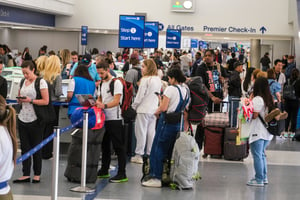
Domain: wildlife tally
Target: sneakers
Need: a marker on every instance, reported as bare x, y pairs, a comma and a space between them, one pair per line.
119, 178
103, 174
282, 116
266, 181
253, 182
137, 159
153, 182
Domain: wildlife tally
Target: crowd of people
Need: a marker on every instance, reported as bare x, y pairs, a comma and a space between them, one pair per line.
159, 89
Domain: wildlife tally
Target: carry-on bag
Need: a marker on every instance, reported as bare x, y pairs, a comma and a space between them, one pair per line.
185, 159
73, 170
234, 148
213, 142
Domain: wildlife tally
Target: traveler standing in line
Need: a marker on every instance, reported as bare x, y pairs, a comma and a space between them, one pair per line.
186, 63
280, 77
235, 92
26, 55
265, 62
291, 64
30, 127
176, 96
196, 64
40, 64
114, 132
65, 56
81, 83
8, 147
145, 104
259, 135
291, 106
52, 74
3, 82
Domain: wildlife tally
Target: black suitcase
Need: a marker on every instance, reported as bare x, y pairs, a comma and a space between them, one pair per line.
73, 170
232, 150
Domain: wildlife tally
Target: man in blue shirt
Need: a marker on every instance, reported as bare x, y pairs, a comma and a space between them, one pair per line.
87, 60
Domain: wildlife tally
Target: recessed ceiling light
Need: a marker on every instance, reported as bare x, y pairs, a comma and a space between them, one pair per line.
188, 4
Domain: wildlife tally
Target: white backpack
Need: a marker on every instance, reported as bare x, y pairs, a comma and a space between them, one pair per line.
185, 159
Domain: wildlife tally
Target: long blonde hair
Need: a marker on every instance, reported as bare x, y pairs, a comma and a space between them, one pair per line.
40, 64
8, 119
151, 67
52, 69
65, 56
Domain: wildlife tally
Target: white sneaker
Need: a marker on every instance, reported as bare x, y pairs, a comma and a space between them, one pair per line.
153, 182
137, 159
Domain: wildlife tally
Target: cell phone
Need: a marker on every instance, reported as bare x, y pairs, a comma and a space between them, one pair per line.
21, 97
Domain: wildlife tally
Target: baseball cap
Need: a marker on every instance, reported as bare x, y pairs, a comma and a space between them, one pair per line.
86, 59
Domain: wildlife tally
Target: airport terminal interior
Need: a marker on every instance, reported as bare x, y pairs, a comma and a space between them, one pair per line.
166, 26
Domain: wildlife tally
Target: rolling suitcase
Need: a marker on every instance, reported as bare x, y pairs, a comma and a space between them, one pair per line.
213, 141
73, 169
214, 124
234, 149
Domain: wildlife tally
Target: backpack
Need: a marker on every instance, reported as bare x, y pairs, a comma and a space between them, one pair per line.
96, 117
127, 93
45, 113
186, 155
199, 99
289, 91
139, 71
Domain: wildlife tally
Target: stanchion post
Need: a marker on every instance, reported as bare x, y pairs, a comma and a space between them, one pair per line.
55, 163
82, 187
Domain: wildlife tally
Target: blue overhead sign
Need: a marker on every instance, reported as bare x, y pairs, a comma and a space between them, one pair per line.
84, 35
151, 35
18, 15
194, 43
131, 31
173, 38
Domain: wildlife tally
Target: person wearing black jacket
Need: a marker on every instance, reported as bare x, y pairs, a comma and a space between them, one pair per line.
235, 92
213, 76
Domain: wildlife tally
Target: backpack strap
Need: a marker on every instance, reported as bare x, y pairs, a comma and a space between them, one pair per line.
37, 88
271, 83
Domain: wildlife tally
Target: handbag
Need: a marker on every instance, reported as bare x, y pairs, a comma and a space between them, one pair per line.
272, 126
45, 113
129, 114
173, 117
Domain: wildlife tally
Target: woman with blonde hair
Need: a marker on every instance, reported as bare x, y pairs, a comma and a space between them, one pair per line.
65, 56
145, 104
40, 64
8, 144
51, 74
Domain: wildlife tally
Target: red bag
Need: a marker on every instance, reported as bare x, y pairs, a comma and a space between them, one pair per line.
96, 117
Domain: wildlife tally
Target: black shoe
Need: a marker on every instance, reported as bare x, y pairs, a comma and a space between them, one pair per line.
35, 181
26, 180
119, 178
103, 174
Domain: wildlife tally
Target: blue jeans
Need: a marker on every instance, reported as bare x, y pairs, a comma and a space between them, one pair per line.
233, 110
162, 146
260, 163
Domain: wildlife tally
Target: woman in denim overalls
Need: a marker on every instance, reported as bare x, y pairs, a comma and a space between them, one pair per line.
175, 98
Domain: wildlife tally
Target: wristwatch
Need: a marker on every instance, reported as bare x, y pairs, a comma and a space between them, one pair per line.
31, 101
105, 106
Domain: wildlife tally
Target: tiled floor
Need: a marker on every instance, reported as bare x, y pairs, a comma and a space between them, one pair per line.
221, 179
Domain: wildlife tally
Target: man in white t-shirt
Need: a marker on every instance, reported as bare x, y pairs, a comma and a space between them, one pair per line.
186, 63
110, 97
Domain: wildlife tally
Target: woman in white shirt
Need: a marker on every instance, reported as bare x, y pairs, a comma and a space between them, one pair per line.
145, 104
259, 135
174, 100
8, 147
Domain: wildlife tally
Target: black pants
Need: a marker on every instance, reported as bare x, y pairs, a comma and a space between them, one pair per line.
114, 133
49, 129
291, 107
31, 134
199, 136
